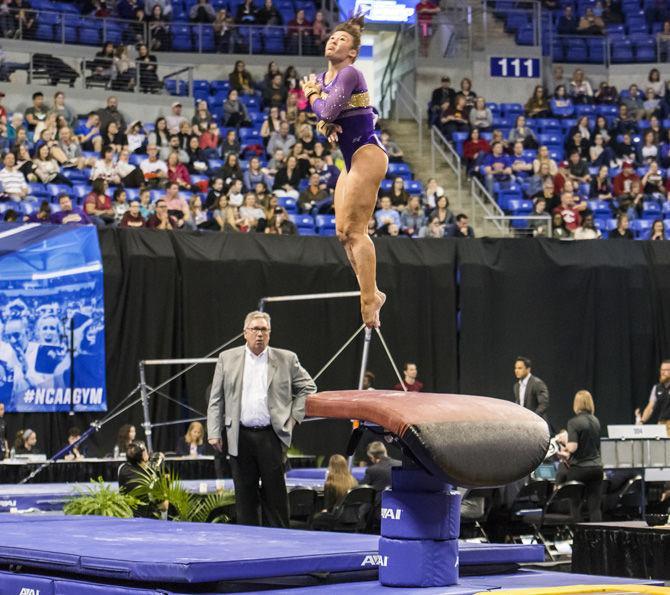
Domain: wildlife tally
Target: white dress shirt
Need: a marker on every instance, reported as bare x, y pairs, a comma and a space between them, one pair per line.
523, 383
254, 411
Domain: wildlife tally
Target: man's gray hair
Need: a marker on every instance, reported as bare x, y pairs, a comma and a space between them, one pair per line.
256, 314
376, 449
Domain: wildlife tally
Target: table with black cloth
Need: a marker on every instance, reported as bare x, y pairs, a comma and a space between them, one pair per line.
83, 470
628, 549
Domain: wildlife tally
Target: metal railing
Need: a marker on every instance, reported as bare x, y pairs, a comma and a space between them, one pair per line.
410, 102
139, 77
401, 60
177, 36
440, 145
483, 198
607, 49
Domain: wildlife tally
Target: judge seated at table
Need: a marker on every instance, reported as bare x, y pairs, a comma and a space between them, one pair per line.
26, 443
192, 444
339, 481
78, 452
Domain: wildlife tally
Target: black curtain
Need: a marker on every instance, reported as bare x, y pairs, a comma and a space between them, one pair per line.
591, 315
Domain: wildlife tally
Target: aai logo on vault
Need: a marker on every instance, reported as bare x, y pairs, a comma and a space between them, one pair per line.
28, 591
391, 513
374, 560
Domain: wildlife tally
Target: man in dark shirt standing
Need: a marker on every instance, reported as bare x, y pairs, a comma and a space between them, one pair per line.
378, 474
658, 407
443, 93
4, 447
410, 372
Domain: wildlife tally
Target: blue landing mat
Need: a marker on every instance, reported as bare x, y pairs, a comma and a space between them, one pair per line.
320, 473
198, 552
11, 584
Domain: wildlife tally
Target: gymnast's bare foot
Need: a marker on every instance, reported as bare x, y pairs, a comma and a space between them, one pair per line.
370, 310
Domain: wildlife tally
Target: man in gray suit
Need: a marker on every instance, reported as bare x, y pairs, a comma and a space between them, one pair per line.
529, 391
258, 396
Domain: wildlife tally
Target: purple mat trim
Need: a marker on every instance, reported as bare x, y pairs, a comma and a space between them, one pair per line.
96, 546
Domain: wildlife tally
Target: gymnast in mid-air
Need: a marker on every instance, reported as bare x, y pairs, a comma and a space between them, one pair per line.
339, 98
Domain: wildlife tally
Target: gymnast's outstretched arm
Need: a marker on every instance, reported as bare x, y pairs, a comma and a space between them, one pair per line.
338, 97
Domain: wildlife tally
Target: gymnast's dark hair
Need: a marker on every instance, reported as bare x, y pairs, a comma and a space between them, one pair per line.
354, 27
134, 452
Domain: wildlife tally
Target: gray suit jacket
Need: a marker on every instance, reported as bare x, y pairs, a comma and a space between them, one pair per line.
536, 398
288, 387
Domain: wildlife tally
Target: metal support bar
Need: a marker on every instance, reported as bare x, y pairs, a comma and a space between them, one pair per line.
146, 424
185, 360
306, 296
178, 421
364, 357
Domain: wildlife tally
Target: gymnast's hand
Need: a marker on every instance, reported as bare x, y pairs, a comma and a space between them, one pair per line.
310, 85
329, 130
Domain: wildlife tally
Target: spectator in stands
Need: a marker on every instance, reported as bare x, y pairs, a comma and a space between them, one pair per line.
313, 195
443, 93
271, 124
98, 205
397, 193
137, 137
648, 152
567, 22
299, 37
461, 229
425, 11
223, 26
26, 442
431, 193
161, 219
651, 104
230, 144
225, 215
119, 204
269, 15
625, 123
539, 227
474, 149
626, 150
177, 172
587, 230
131, 176
37, 112
176, 204
601, 186
590, 24
394, 152
240, 79
209, 142
561, 104
434, 229
202, 116
114, 138
60, 109
25, 164
634, 101
606, 94
146, 208
123, 70
281, 139
656, 128
521, 167
521, 132
13, 182
559, 230
599, 154
467, 93
288, 178
89, 134
255, 174
320, 32
442, 212
230, 170
175, 119
412, 217
274, 95
657, 231
570, 215
69, 214
622, 231
25, 19
199, 218
623, 180
126, 9
481, 116
280, 224
160, 136
410, 372
252, 215
111, 113
455, 118
173, 146
538, 105
202, 12
105, 168
153, 168
543, 156
654, 82
386, 214
47, 170
67, 150
601, 128
538, 182
133, 216
558, 78
652, 183
235, 112
496, 166
579, 169
10, 216
159, 29
247, 13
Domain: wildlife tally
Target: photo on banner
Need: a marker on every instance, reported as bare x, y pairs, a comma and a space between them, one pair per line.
51, 313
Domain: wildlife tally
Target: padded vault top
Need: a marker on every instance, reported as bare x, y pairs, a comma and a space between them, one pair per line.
466, 440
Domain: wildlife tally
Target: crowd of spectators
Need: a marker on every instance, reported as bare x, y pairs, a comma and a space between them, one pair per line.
214, 171
594, 159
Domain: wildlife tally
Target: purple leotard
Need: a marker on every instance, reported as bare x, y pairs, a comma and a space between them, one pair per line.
345, 101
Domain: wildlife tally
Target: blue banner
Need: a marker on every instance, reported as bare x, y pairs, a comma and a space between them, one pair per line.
51, 313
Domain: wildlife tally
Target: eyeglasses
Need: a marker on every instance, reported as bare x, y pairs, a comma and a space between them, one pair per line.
256, 329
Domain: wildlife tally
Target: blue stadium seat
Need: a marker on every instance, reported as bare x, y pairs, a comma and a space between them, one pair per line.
640, 227
414, 187
325, 225
55, 189
511, 110
600, 208
645, 48
273, 41
575, 50
596, 50
550, 138
651, 210
399, 170
304, 223
585, 110
525, 35
386, 185
290, 204
80, 191
621, 50
520, 206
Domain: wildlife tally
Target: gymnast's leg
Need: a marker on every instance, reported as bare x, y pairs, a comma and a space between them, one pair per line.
355, 199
